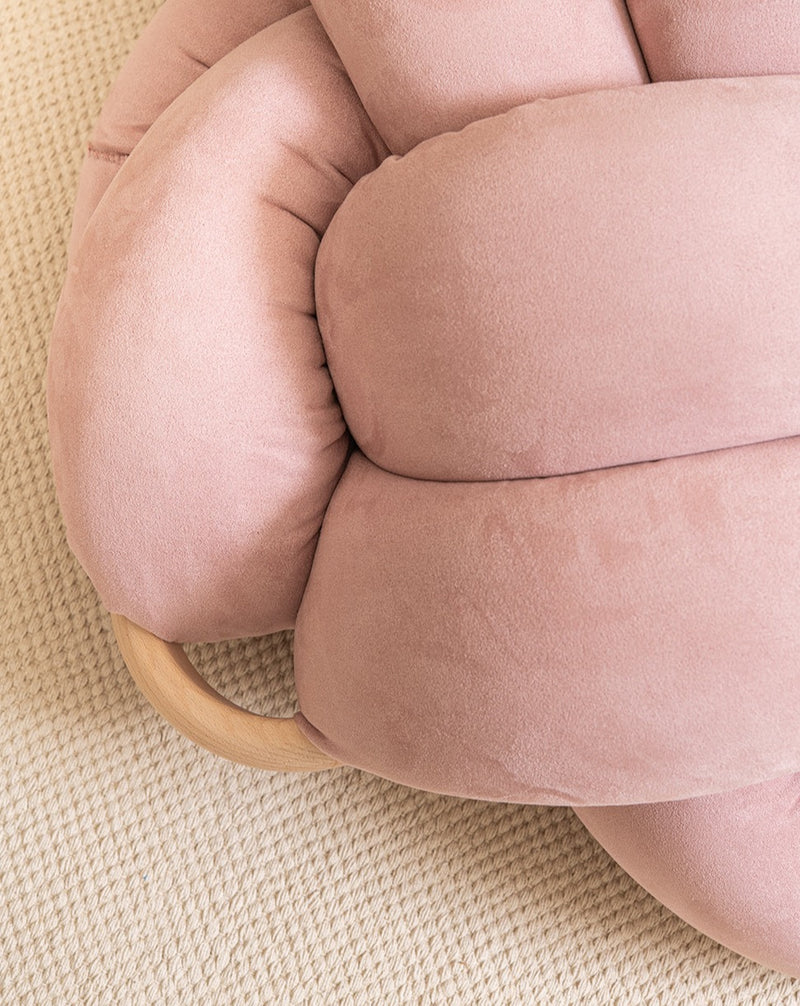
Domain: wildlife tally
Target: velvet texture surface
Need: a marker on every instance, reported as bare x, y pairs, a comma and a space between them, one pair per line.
553, 328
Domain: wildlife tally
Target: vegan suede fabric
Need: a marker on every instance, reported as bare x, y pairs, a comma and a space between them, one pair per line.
474, 332
515, 446
560, 640
182, 41
415, 87
729, 863
197, 439
687, 39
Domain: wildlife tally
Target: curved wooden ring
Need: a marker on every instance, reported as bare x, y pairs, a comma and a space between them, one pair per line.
170, 682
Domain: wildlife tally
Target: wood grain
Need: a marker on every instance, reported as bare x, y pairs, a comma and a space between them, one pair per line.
173, 686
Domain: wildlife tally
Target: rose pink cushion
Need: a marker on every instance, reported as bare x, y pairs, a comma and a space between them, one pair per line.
464, 338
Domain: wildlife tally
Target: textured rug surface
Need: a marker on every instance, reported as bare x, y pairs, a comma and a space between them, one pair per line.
135, 868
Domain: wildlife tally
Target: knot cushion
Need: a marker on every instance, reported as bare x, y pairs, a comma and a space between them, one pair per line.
465, 340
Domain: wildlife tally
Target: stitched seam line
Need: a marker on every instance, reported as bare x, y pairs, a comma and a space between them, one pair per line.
106, 155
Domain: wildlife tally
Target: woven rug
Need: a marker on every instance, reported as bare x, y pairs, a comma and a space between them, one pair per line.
136, 868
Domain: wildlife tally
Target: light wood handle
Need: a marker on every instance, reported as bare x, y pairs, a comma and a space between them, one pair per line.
170, 682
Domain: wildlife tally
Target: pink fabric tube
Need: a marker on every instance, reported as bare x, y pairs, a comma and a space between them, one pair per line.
580, 283
414, 87
616, 636
195, 433
182, 41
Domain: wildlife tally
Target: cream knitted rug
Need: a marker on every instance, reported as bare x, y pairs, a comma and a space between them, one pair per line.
135, 868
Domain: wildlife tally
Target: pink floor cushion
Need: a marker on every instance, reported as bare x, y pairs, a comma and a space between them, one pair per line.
463, 338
